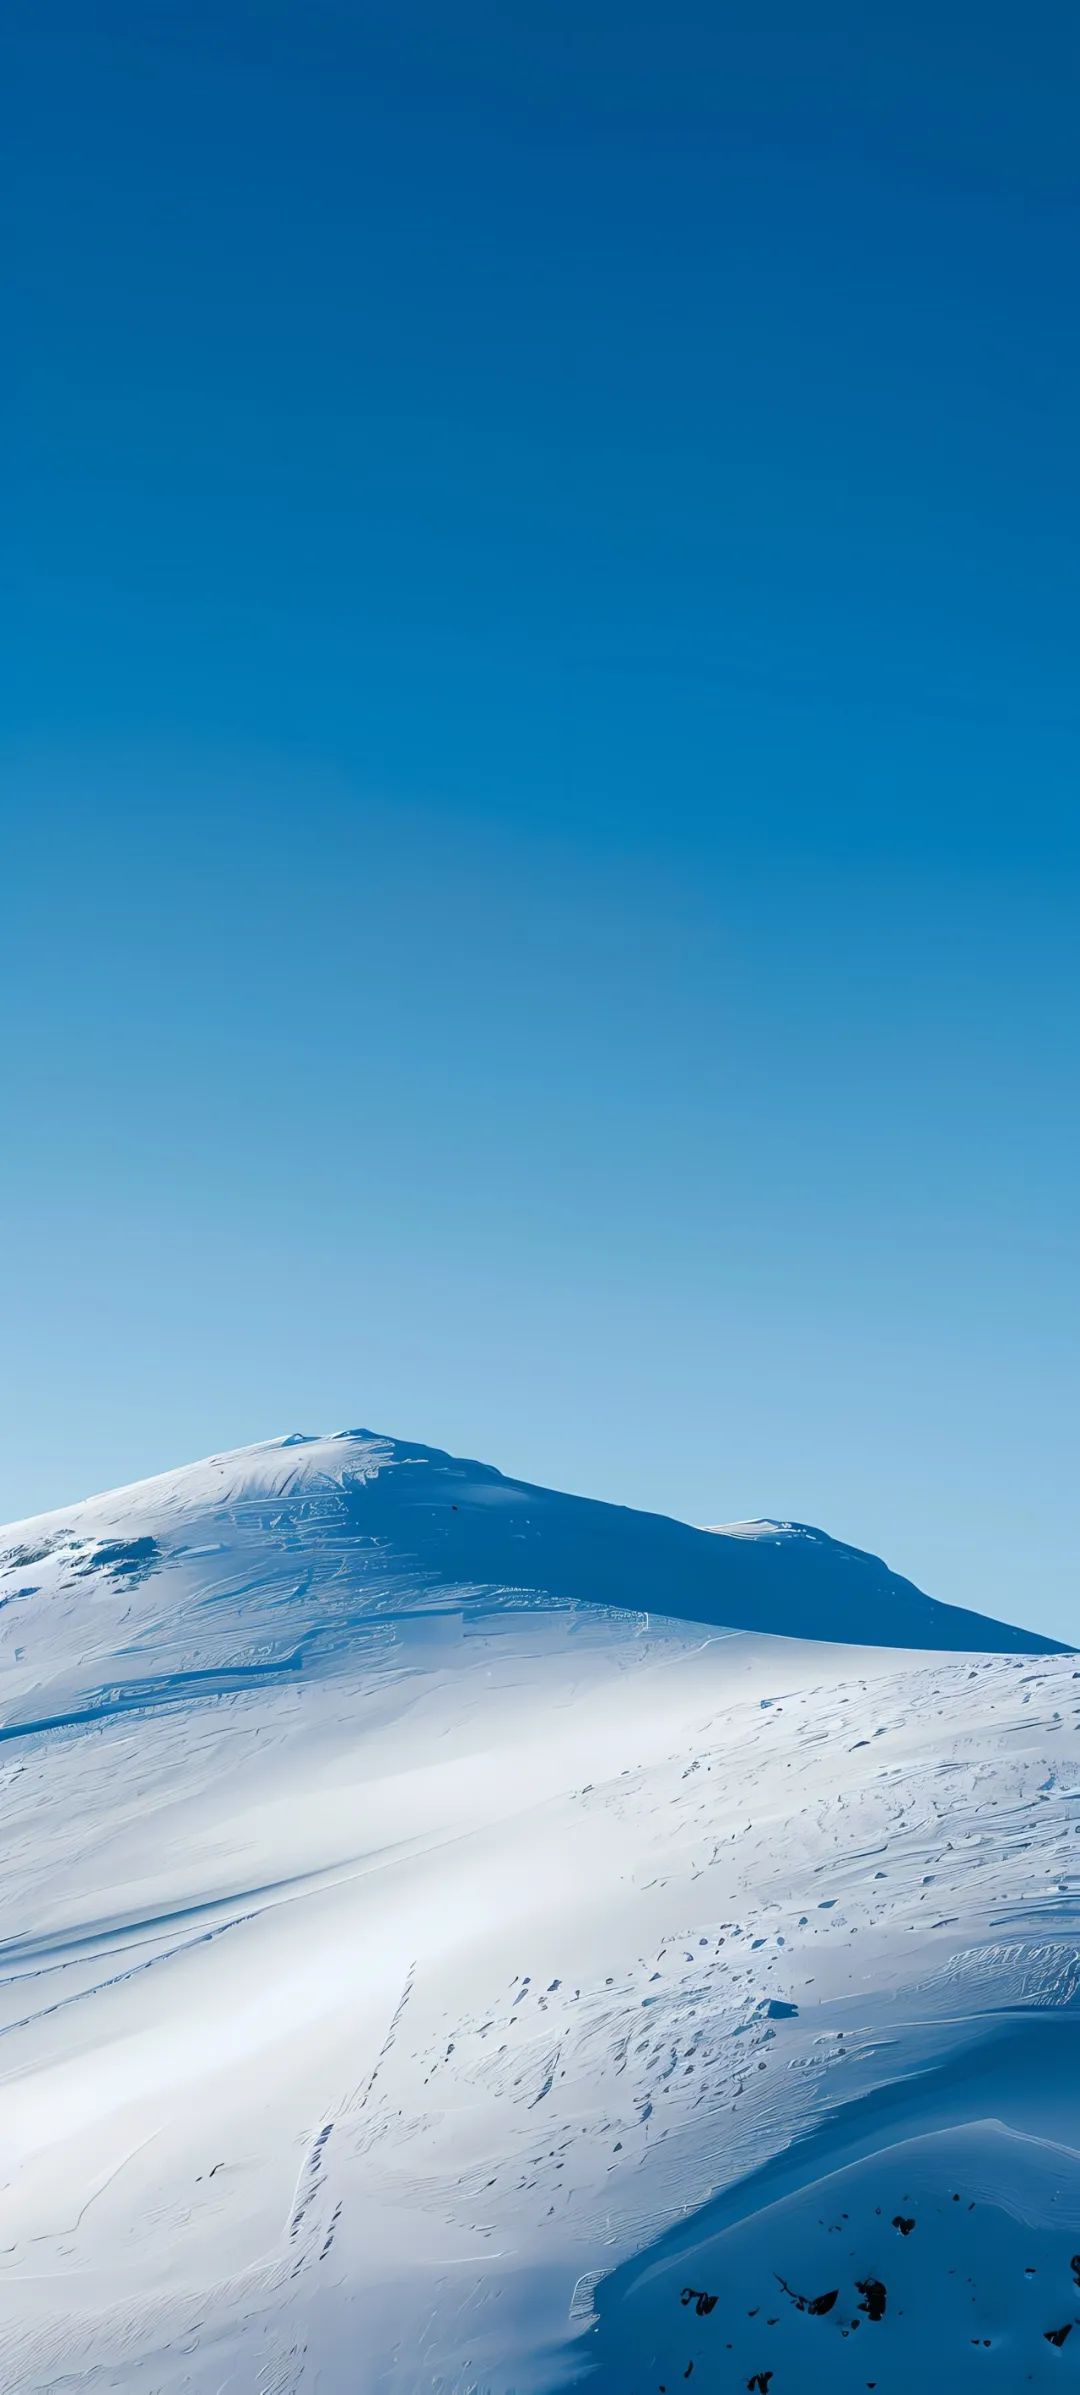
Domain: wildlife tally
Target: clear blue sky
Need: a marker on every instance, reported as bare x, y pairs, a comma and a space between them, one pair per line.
541, 751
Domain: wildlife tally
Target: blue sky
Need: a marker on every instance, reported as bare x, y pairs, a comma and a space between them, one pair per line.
540, 771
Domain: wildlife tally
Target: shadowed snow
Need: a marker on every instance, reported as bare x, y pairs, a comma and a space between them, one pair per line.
444, 1921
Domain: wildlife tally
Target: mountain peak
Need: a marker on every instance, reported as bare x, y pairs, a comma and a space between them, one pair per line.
508, 1898
448, 1523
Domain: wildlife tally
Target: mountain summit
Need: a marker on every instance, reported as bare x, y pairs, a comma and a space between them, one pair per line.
369, 1512
455, 1935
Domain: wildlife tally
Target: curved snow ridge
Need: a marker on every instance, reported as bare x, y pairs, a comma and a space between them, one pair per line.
270, 1468
447, 1940
357, 1498
945, 2260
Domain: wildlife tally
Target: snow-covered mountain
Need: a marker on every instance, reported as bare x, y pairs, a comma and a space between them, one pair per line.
459, 1937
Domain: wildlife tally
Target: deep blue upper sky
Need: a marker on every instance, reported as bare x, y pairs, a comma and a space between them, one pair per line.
540, 772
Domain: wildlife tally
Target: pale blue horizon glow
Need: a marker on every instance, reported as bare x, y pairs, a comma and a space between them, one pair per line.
539, 821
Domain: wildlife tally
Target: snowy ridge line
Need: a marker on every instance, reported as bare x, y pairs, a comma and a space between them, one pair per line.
362, 1497
630, 1982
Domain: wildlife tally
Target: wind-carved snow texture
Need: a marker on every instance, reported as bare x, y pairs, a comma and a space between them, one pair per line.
460, 1940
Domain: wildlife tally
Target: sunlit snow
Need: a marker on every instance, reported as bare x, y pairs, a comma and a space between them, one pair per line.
462, 1940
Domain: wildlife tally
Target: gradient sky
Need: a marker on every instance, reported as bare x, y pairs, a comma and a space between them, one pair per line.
540, 803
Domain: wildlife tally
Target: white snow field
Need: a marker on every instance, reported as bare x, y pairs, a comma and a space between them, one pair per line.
456, 1937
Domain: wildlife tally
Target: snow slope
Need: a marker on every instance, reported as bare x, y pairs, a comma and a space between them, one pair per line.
459, 1937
